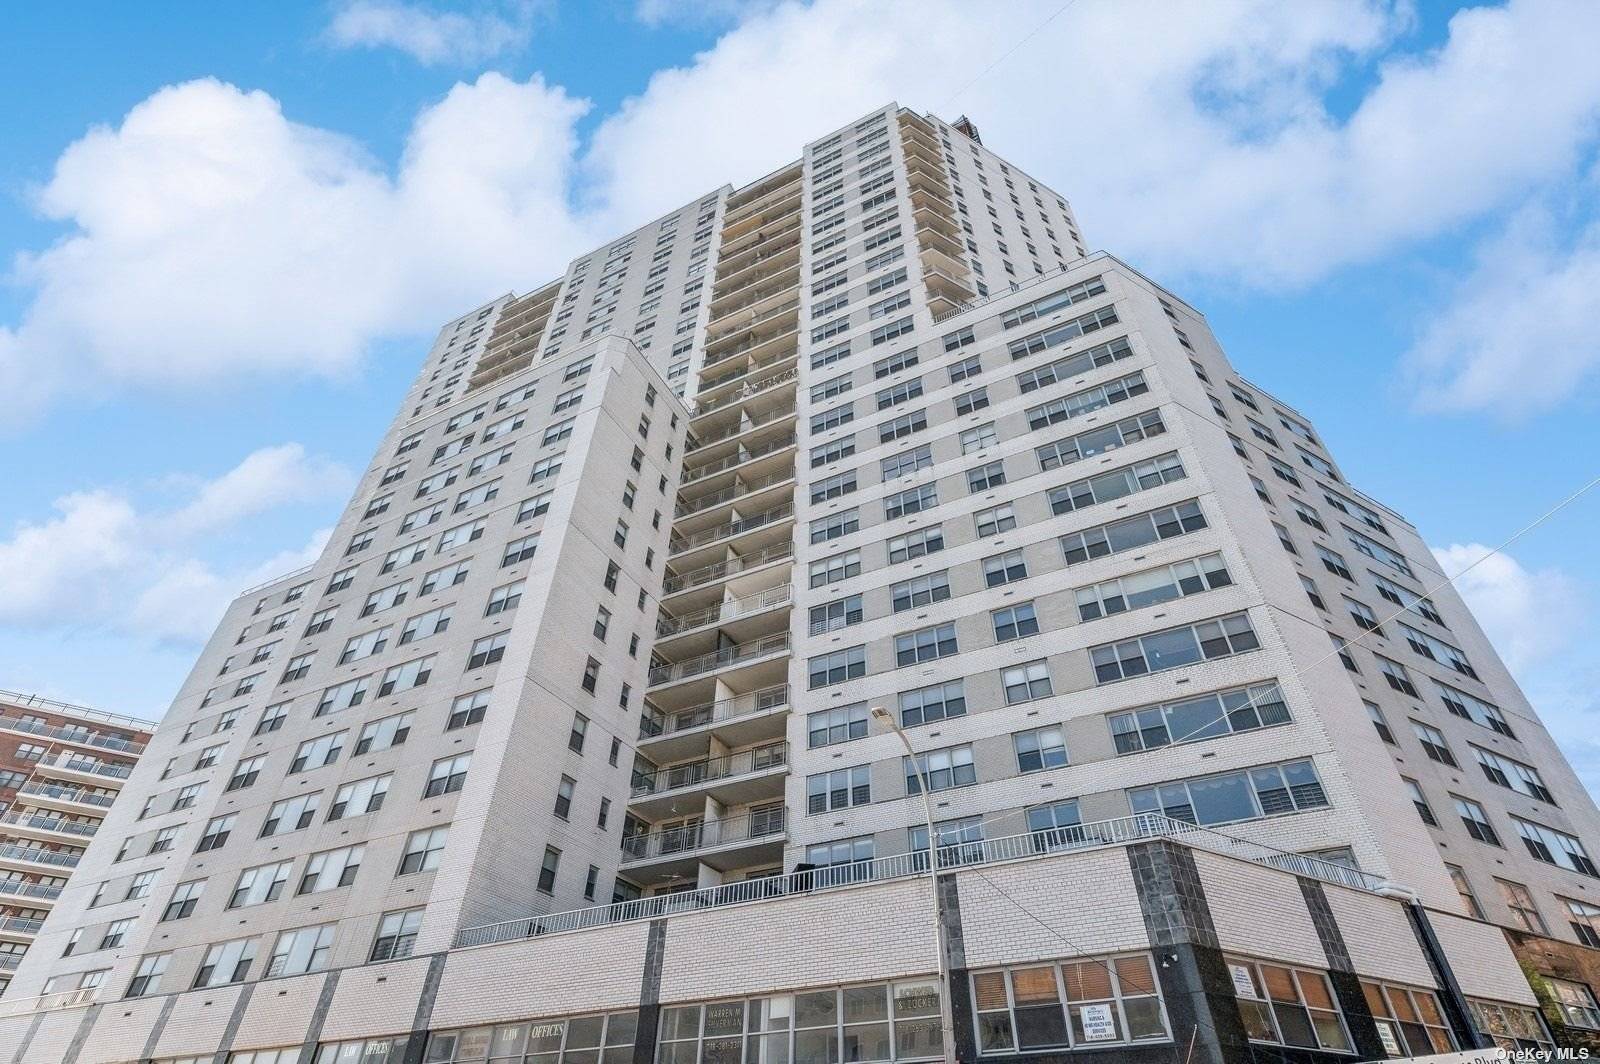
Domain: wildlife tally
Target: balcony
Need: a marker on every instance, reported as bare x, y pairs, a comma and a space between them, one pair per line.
682, 545
737, 779
739, 489
732, 842
10, 961
748, 390
709, 435
727, 658
738, 458
20, 926
49, 827
947, 291
34, 855
778, 255
723, 612
762, 236
71, 736
33, 892
53, 792
757, 316
720, 571
737, 721
67, 762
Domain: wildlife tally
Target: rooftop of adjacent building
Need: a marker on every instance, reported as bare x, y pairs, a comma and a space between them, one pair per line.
16, 707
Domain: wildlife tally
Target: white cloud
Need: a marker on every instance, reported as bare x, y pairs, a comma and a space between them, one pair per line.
432, 37
1517, 336
1529, 615
208, 237
103, 563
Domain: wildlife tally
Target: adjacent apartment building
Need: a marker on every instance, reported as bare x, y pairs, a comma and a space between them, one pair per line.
61, 767
687, 589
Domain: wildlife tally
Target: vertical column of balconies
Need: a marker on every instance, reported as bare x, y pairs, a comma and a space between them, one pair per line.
934, 218
514, 343
707, 796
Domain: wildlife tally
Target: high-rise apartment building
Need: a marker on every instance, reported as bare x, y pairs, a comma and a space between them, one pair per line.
61, 767
566, 749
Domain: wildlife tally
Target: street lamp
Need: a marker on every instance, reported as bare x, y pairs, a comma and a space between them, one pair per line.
947, 1026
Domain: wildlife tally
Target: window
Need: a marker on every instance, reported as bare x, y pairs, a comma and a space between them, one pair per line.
397, 935
826, 670
1099, 440
995, 520
259, 885
1198, 717
839, 789
564, 790
183, 900
359, 797
841, 724
832, 616
547, 870
1410, 1020
487, 651
1040, 748
304, 949
383, 733
833, 487
423, 850
1505, 772
1475, 820
591, 675
1014, 622
1433, 743
1152, 586
406, 676
1083, 402
147, 977
1469, 900
447, 775
330, 869
1555, 847
984, 477
1419, 801
290, 814
836, 568
920, 591
226, 962
216, 833
1288, 1006
1080, 1003
951, 767
1024, 683
906, 462
1380, 723
1362, 615
505, 597
926, 644
245, 773
1468, 707
1584, 919
366, 644
928, 704
1173, 648
979, 438
1397, 677
520, 550
910, 501
1520, 901
1228, 797
315, 753
1130, 532
1437, 650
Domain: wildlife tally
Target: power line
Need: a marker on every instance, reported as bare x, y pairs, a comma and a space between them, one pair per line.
1006, 55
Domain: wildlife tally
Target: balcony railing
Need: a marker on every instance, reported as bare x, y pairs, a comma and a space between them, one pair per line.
78, 764
9, 961
752, 388
661, 724
20, 925
17, 700
752, 827
732, 528
736, 459
750, 369
733, 491
709, 770
49, 823
66, 794
38, 855
40, 891
745, 424
1033, 845
61, 999
722, 570
724, 611
720, 659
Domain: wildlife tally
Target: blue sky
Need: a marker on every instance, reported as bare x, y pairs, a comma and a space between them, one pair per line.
229, 234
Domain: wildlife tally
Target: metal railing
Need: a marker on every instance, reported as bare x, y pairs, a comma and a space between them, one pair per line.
1033, 845
16, 889
725, 611
768, 699
751, 369
63, 999
679, 544
759, 826
720, 659
709, 770
739, 428
38, 855
47, 823
280, 578
20, 925
737, 490
67, 794
78, 764
69, 735
738, 458
724, 569
756, 320
9, 961
750, 389
18, 700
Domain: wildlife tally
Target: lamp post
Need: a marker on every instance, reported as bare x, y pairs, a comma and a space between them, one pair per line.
947, 1026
